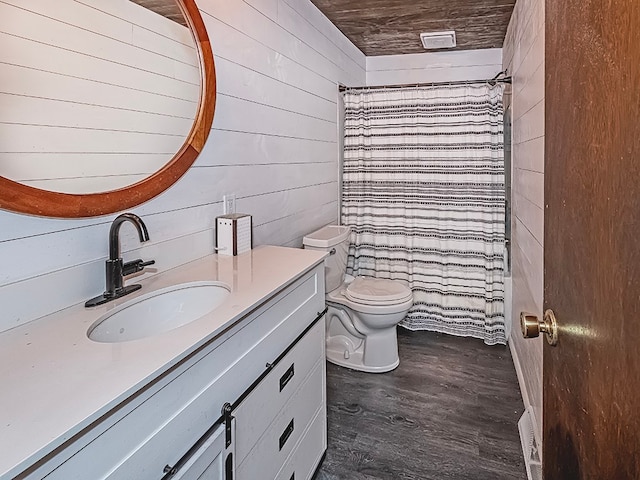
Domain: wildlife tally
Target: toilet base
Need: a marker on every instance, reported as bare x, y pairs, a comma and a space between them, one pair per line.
339, 344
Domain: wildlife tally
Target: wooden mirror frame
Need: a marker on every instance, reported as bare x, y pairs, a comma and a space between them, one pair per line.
34, 201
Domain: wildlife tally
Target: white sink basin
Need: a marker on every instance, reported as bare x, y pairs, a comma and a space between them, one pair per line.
158, 312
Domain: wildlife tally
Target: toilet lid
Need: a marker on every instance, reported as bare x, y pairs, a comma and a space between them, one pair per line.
377, 290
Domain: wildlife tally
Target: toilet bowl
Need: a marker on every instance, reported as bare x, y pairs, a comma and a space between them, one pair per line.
363, 312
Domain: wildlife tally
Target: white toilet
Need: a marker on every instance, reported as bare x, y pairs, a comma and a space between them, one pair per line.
362, 312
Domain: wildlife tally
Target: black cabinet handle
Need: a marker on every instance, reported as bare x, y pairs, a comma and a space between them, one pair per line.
228, 467
288, 375
227, 408
286, 434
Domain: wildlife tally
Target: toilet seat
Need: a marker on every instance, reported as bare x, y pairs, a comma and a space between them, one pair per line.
377, 291
362, 312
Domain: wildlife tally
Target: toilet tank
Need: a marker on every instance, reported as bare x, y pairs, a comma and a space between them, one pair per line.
335, 240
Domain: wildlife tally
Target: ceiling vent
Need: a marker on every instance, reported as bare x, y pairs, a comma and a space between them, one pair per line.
434, 40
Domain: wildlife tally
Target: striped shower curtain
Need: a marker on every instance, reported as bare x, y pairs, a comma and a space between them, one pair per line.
423, 191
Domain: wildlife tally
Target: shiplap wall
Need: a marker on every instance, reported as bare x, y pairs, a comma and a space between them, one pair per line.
434, 67
524, 56
94, 96
273, 143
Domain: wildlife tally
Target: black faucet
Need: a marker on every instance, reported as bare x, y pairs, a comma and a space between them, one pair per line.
116, 269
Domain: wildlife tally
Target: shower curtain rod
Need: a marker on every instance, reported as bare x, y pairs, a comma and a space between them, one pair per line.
491, 81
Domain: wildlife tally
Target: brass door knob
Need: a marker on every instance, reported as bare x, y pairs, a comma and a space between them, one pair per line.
532, 326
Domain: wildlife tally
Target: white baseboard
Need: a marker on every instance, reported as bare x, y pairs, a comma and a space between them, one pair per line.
525, 394
520, 375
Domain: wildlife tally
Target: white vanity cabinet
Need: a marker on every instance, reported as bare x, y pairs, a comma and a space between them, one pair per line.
271, 422
207, 462
268, 368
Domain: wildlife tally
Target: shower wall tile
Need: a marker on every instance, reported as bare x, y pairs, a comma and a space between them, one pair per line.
524, 57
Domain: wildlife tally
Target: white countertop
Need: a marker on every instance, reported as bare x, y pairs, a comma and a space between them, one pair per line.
55, 381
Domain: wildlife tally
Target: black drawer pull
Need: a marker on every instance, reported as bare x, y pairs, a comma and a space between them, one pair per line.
288, 375
286, 434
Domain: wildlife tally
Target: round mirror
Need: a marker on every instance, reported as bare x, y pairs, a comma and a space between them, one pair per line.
104, 104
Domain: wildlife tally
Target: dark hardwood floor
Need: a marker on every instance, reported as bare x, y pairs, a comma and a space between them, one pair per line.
449, 411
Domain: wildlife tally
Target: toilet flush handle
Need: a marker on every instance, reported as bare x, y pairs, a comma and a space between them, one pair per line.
332, 251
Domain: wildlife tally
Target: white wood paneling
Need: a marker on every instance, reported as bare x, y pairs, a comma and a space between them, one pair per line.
530, 185
435, 75
311, 14
530, 122
226, 147
298, 25
48, 85
524, 57
530, 154
434, 67
274, 35
78, 80
130, 11
241, 115
233, 45
530, 215
273, 144
62, 114
268, 8
38, 56
100, 36
240, 82
50, 165
296, 201
297, 225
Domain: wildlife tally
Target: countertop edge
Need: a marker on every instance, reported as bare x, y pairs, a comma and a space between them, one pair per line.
47, 449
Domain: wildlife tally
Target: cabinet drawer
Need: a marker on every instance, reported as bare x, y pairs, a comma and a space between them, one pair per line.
207, 462
272, 449
258, 410
161, 429
304, 460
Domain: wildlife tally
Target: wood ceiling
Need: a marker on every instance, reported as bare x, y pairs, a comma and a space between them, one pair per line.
166, 8
391, 27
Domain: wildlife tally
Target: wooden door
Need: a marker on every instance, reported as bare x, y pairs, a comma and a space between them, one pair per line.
592, 239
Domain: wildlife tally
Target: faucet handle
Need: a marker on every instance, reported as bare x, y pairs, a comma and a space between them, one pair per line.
135, 266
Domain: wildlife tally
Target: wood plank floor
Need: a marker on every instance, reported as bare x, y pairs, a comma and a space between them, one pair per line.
449, 411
